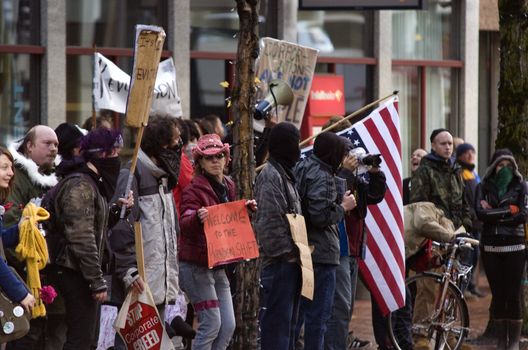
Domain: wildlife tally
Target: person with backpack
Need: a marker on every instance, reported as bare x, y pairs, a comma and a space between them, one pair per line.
156, 175
79, 205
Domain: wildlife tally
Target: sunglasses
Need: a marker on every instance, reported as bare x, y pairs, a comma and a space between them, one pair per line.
215, 156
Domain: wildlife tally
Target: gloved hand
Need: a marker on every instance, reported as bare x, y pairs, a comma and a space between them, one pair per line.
514, 209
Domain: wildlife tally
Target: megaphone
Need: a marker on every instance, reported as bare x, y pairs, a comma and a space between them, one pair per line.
280, 94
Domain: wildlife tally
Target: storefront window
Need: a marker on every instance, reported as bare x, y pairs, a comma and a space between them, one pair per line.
214, 26
440, 103
358, 87
430, 34
110, 23
406, 80
18, 93
336, 33
19, 22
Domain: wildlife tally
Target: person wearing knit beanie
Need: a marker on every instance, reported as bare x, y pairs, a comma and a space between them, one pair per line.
69, 136
463, 148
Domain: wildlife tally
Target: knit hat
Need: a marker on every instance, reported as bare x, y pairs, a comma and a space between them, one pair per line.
100, 140
436, 132
283, 144
463, 148
69, 136
210, 145
330, 148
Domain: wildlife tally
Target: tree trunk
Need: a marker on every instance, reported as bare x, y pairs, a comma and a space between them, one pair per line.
513, 92
513, 88
247, 276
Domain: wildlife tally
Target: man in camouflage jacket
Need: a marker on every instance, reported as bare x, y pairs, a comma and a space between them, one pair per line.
438, 180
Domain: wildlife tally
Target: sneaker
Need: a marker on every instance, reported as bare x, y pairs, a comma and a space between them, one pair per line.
356, 343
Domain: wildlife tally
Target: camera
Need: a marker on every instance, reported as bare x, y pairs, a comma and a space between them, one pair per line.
365, 158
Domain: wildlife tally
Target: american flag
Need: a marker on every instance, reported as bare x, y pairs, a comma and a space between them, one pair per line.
383, 269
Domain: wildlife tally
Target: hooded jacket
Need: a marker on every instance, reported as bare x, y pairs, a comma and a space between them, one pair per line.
321, 195
500, 220
439, 181
29, 183
155, 209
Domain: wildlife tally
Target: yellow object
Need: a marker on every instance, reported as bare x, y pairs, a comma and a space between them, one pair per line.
224, 84
33, 249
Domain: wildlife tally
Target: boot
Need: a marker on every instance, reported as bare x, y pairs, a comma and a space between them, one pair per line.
514, 334
502, 334
489, 337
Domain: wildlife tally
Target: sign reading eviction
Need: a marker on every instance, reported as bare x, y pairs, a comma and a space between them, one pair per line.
229, 234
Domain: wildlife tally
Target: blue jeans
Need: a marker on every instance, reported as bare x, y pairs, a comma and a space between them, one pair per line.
279, 305
345, 292
210, 295
316, 313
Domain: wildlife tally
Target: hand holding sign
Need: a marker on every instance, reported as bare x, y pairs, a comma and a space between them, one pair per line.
229, 234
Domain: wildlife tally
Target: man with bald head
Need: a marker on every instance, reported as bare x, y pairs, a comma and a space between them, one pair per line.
438, 180
34, 156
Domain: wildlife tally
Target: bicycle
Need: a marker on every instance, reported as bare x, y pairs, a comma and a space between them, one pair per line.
435, 307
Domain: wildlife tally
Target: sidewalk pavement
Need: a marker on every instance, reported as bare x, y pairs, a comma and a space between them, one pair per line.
361, 322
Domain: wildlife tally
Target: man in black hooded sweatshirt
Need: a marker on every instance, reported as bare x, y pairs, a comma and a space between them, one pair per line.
281, 274
324, 203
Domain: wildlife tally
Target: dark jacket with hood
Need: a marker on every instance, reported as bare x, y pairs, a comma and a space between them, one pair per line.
439, 181
321, 195
501, 226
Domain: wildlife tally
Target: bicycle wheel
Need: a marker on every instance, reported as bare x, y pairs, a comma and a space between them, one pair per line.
444, 325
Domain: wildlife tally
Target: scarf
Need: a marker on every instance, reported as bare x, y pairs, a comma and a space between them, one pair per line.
108, 169
502, 179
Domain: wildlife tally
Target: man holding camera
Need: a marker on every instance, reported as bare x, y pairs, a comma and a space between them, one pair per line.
368, 188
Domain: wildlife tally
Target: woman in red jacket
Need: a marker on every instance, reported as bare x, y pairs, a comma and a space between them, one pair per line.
207, 288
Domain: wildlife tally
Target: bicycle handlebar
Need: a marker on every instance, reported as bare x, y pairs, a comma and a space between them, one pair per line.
472, 241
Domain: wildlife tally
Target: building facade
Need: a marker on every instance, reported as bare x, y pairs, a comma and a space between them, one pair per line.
430, 56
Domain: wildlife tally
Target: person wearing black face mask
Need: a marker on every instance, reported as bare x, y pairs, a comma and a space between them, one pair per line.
156, 174
324, 201
81, 215
281, 274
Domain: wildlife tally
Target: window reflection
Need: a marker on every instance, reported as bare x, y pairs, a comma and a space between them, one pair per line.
19, 22
336, 33
110, 23
431, 34
406, 80
18, 91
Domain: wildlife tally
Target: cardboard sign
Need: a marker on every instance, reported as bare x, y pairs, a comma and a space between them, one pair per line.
300, 237
139, 324
292, 63
111, 85
147, 53
229, 234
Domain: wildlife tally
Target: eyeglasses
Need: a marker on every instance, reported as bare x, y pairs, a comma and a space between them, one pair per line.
215, 156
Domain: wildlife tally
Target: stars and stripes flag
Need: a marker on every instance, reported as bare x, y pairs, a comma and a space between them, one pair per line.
383, 269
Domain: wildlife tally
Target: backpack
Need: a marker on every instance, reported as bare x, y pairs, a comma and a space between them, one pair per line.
54, 229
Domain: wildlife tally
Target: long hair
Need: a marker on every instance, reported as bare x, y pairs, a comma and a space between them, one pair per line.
4, 192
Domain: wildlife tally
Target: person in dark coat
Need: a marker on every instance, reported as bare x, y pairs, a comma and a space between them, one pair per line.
501, 204
280, 277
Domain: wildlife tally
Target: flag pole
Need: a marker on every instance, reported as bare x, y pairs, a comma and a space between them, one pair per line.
94, 114
352, 115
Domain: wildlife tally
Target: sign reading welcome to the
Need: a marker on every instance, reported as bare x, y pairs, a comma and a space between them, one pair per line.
229, 234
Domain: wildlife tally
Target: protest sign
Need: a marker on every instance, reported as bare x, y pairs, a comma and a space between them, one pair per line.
292, 63
229, 234
300, 237
139, 324
111, 84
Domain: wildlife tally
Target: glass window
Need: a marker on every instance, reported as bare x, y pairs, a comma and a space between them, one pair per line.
214, 25
207, 96
430, 34
18, 93
441, 104
336, 33
19, 22
111, 23
406, 80
358, 80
